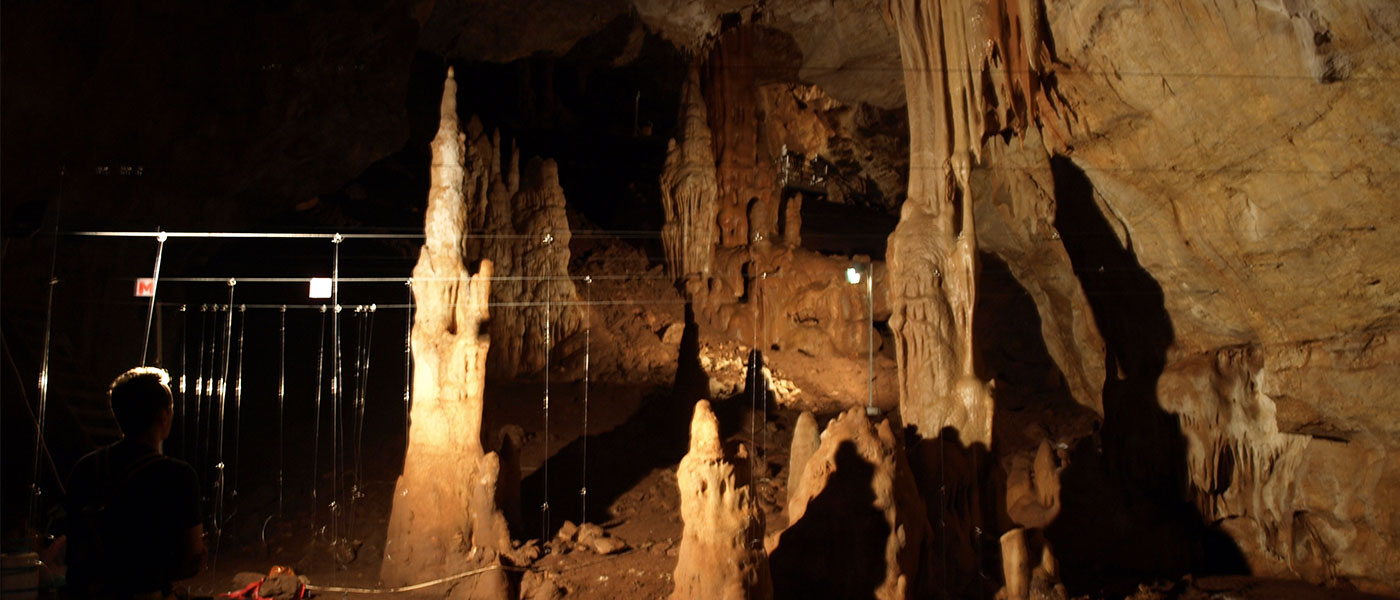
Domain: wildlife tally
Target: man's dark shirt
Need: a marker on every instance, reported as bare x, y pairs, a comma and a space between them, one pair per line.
129, 509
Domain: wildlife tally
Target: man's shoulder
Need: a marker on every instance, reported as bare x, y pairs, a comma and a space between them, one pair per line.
168, 467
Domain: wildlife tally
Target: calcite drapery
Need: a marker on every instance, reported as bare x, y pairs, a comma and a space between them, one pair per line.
721, 555
747, 191
950, 50
527, 239
440, 507
548, 297
688, 189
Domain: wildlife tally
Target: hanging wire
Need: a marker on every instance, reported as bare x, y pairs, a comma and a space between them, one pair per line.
587, 351
36, 491
155, 284
316, 434
544, 507
236, 465
219, 467
337, 385
281, 404
407, 364
197, 443
761, 453
184, 373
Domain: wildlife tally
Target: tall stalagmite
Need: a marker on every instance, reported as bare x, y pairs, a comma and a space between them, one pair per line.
438, 512
951, 50
721, 555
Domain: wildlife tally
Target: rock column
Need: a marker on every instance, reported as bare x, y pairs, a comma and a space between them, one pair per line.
439, 513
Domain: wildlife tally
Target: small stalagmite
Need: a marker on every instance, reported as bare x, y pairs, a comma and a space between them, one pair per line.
858, 525
1032, 503
805, 442
442, 510
721, 555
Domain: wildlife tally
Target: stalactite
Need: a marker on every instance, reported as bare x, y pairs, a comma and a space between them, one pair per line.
440, 509
949, 50
688, 189
1240, 466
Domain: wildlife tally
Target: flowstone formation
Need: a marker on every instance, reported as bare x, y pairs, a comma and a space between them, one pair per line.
688, 189
721, 553
954, 52
444, 503
732, 233
858, 527
544, 308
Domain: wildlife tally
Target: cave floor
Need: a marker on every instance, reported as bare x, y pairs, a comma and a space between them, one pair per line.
636, 504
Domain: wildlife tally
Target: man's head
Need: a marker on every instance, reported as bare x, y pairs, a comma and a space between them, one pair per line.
141, 401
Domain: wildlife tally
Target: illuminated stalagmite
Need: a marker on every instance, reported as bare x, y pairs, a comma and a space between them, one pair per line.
857, 522
951, 49
688, 189
721, 555
442, 505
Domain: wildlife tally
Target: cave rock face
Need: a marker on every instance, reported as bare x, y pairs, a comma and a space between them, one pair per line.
721, 553
526, 237
858, 526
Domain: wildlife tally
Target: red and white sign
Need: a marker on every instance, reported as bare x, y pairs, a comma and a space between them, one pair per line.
145, 287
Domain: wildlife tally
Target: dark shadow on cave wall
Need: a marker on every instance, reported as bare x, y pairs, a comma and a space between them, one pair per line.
1125, 517
656, 436
837, 549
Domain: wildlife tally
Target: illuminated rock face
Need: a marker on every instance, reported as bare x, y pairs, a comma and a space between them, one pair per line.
858, 527
443, 506
721, 553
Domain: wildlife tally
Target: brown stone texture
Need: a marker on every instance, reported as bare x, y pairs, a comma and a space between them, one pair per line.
721, 551
688, 189
444, 501
858, 526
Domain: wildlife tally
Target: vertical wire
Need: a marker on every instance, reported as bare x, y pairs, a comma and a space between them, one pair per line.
219, 467
35, 489
761, 453
407, 366
870, 314
198, 442
587, 351
155, 286
353, 464
544, 508
238, 407
364, 394
184, 373
337, 383
281, 408
320, 385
